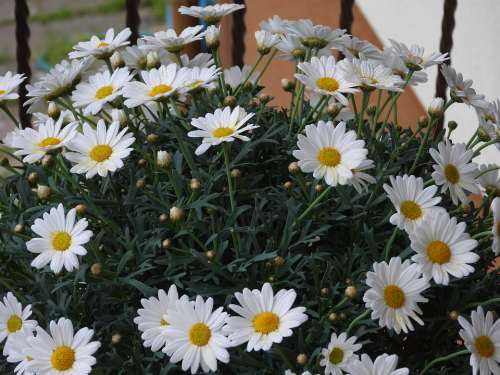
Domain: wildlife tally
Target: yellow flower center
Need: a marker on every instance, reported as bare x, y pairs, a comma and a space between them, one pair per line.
104, 92
61, 241
63, 358
100, 153
200, 334
336, 356
394, 296
438, 252
163, 322
451, 173
49, 141
484, 346
14, 323
2, 92
329, 156
102, 45
328, 84
159, 89
222, 132
266, 322
410, 210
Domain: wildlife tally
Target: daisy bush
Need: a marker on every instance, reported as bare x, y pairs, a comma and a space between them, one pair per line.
161, 216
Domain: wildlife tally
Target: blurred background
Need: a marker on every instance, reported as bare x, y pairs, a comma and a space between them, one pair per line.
56, 25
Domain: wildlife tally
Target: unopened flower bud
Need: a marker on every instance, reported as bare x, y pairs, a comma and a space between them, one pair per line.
81, 209
319, 188
96, 269
278, 261
452, 125
293, 167
333, 317
324, 292
264, 99
343, 316
116, 60
423, 122
116, 338
299, 53
152, 60
142, 163
210, 254
235, 173
163, 218
19, 228
453, 315
212, 35
47, 161
43, 192
302, 359
53, 110
163, 159
119, 116
333, 109
288, 185
33, 178
177, 214
230, 101
436, 107
152, 138
166, 243
351, 292
287, 84
195, 184
483, 135
140, 183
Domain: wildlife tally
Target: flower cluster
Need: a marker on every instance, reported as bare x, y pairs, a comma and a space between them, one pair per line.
144, 167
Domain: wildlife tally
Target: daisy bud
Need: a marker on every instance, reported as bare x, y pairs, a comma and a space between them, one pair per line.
116, 60
47, 161
287, 84
351, 292
452, 125
333, 317
140, 183
212, 34
293, 167
96, 269
343, 316
81, 209
166, 243
152, 60
43, 192
152, 138
210, 254
333, 109
119, 116
279, 261
235, 173
270, 279
436, 108
483, 135
19, 228
177, 214
319, 188
288, 185
302, 359
116, 338
195, 184
324, 292
264, 99
33, 178
422, 122
163, 159
453, 315
348, 281
265, 41
230, 101
53, 110
163, 218
254, 102
299, 53
142, 163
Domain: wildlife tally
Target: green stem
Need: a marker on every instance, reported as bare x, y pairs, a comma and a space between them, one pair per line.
229, 178
240, 86
479, 149
9, 113
366, 98
313, 204
423, 144
356, 321
487, 302
496, 167
443, 359
218, 63
471, 139
266, 65
387, 250
321, 103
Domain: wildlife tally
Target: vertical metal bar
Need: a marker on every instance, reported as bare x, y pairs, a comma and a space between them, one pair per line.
238, 32
23, 55
133, 19
346, 18
446, 44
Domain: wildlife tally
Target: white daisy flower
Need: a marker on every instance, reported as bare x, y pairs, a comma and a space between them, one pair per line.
454, 170
173, 43
194, 335
292, 48
141, 57
153, 318
275, 25
14, 320
394, 294
265, 40
355, 48
360, 179
212, 36
490, 114
8, 86
201, 60
372, 75
414, 56
330, 152
61, 240
495, 209
482, 339
210, 14
339, 353
223, 125
100, 150
325, 77
411, 201
158, 84
461, 90
62, 352
398, 67
443, 248
101, 48
198, 78
235, 75
315, 36
384, 365
17, 353
58, 82
101, 88
489, 181
290, 372
264, 318
49, 136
